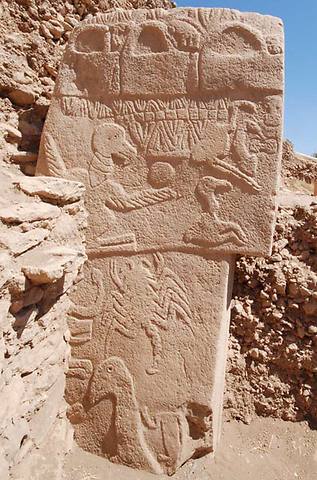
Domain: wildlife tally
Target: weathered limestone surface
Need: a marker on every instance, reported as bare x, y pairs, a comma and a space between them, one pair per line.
172, 120
41, 252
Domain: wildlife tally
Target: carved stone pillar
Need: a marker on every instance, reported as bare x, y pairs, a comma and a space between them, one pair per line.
172, 119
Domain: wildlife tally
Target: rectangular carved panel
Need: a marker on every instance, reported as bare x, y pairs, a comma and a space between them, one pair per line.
157, 349
172, 119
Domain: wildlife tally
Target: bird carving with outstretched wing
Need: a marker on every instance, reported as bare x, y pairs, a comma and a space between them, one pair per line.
55, 164
116, 197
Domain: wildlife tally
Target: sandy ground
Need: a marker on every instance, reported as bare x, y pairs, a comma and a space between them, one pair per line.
267, 449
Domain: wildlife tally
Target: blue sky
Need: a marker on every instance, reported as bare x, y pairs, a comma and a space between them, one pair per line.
300, 22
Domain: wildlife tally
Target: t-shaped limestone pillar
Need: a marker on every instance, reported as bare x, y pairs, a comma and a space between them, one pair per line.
173, 120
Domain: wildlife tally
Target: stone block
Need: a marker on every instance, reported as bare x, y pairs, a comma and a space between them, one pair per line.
172, 120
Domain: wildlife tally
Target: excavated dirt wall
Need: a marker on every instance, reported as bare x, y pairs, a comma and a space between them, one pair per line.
273, 344
42, 250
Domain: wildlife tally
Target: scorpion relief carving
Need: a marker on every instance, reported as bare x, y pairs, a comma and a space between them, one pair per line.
181, 167
149, 301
